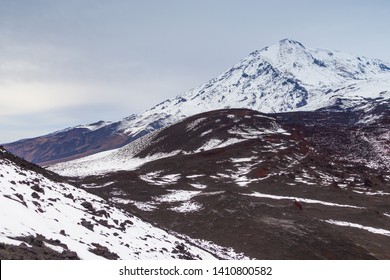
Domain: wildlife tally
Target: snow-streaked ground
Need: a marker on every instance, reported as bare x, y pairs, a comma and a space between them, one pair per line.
125, 158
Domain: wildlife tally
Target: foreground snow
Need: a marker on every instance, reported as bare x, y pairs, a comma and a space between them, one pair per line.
31, 204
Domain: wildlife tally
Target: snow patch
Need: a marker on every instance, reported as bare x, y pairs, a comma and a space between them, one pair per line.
187, 207
217, 143
154, 178
306, 200
198, 186
109, 162
206, 132
369, 229
193, 124
195, 176
239, 160
177, 196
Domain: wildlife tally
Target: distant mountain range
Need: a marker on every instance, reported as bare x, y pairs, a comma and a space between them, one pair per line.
283, 77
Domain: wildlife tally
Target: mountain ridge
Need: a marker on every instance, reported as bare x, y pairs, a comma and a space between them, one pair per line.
282, 77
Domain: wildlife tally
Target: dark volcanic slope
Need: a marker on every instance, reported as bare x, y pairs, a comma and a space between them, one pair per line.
67, 144
313, 185
213, 129
359, 136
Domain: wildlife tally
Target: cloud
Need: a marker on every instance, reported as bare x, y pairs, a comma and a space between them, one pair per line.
30, 98
30, 109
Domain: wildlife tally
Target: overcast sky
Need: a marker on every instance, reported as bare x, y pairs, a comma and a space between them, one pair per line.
64, 63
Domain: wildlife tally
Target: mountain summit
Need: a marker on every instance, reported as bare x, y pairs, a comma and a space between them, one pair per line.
283, 77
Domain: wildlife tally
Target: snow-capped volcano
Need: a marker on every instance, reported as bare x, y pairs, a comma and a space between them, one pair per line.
283, 77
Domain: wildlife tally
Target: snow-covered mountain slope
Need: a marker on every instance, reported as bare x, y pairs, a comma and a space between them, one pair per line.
367, 119
279, 78
283, 77
36, 212
181, 138
297, 185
